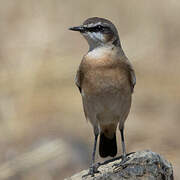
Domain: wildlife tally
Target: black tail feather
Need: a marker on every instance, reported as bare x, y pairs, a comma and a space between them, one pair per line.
107, 147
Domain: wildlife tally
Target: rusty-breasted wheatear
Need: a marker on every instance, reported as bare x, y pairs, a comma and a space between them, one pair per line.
106, 81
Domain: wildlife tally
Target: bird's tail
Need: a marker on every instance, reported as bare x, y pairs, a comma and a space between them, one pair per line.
107, 146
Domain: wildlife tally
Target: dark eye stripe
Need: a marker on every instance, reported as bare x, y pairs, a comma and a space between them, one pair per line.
97, 28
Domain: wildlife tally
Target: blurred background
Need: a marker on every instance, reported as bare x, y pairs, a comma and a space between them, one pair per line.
43, 131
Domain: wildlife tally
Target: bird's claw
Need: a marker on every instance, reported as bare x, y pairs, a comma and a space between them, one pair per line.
92, 170
121, 165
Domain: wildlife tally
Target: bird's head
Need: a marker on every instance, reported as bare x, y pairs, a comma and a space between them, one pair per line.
98, 32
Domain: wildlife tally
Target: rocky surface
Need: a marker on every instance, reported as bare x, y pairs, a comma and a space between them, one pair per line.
142, 165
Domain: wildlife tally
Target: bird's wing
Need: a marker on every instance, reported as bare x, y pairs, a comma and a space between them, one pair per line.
78, 79
132, 77
130, 72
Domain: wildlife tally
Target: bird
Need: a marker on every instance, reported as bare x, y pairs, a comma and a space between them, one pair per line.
106, 81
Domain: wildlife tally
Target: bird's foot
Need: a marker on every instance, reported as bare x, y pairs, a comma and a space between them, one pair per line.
92, 170
122, 164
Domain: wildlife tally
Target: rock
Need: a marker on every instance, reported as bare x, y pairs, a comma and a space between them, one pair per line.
142, 165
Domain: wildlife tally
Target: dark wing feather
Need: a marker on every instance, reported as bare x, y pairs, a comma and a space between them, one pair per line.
78, 79
132, 78
131, 73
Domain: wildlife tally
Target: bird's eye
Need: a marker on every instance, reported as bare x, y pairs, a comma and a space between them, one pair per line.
100, 28
97, 28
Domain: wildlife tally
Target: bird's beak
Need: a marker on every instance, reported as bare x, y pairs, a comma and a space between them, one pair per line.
77, 28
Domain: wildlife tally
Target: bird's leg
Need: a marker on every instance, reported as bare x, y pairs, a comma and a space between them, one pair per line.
123, 144
124, 156
93, 167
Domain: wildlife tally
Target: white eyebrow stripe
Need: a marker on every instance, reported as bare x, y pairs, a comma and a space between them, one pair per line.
93, 25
